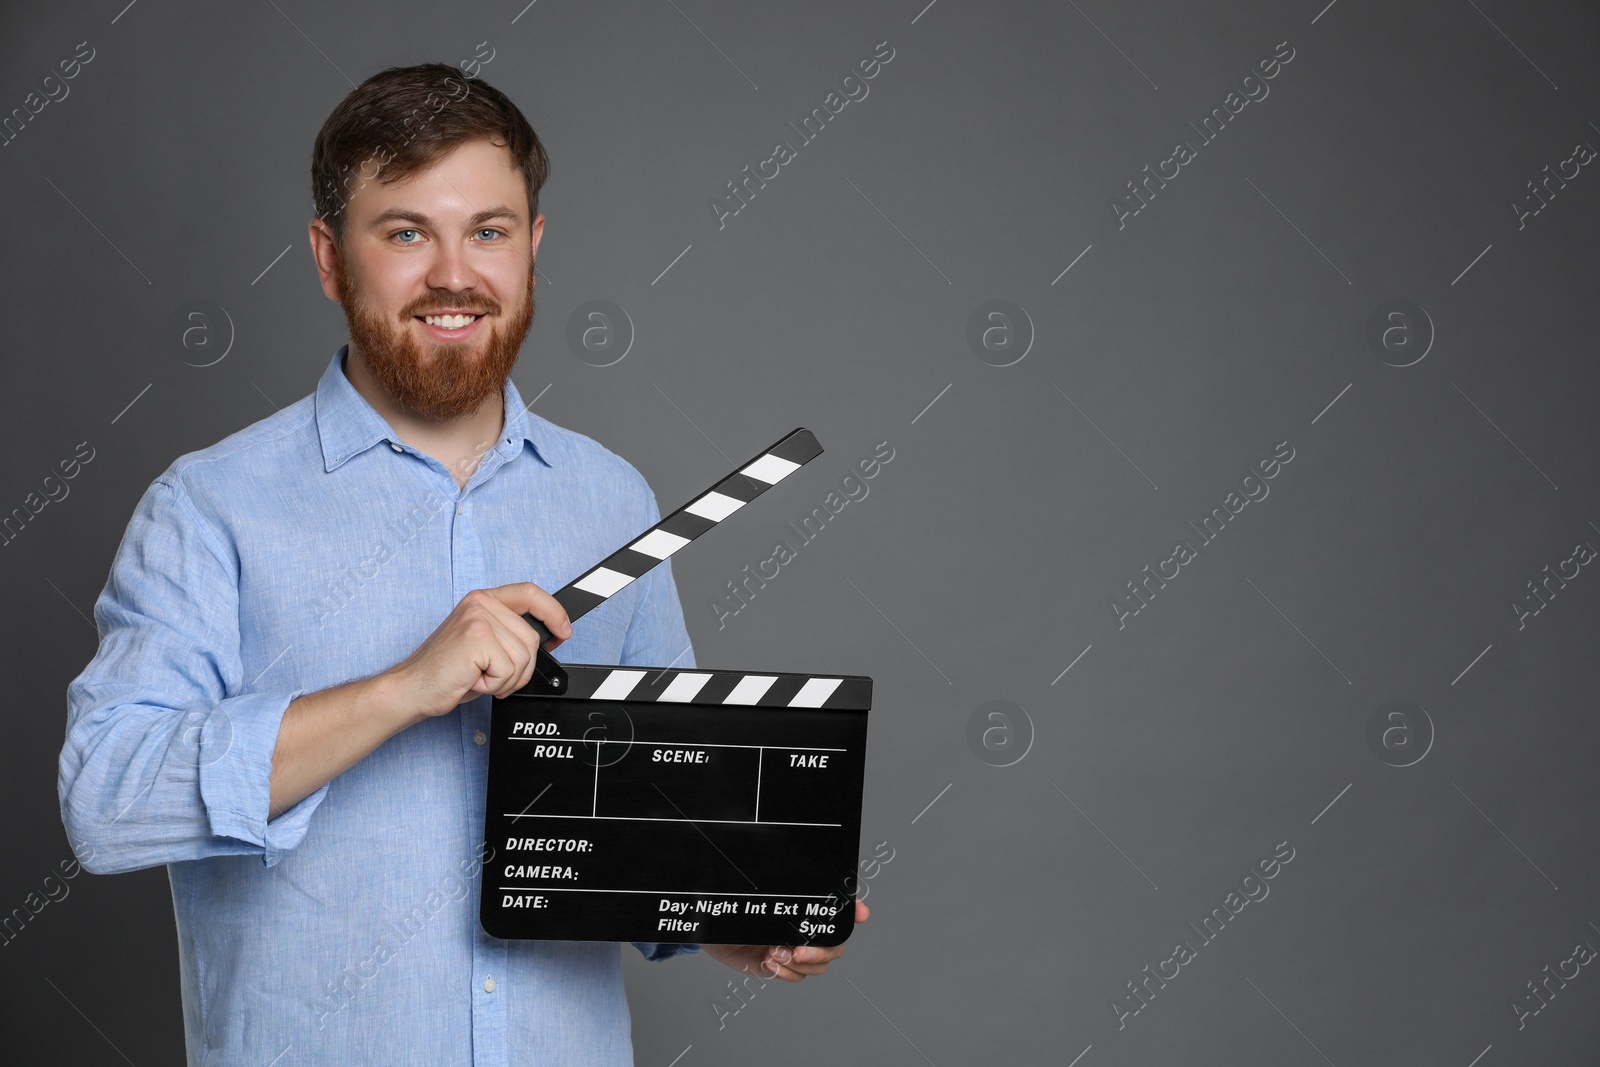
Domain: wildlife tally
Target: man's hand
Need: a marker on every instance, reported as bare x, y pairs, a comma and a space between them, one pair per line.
483, 646
781, 961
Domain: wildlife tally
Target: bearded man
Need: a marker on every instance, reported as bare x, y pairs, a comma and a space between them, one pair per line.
305, 623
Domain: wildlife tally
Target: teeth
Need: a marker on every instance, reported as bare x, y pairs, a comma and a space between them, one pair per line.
449, 322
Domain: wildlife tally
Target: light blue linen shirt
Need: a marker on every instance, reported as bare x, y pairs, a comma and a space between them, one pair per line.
312, 548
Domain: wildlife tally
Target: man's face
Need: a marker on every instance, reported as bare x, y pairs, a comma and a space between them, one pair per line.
436, 279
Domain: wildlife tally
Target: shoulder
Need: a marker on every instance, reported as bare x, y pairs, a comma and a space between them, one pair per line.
242, 462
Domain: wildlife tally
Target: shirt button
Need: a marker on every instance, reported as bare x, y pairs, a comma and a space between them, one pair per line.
488, 985
479, 737
460, 508
394, 446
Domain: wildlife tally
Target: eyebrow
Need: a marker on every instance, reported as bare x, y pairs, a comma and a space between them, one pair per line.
396, 214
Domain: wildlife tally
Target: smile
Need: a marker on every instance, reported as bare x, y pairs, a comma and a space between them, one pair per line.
450, 327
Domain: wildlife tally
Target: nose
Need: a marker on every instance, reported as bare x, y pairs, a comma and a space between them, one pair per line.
450, 269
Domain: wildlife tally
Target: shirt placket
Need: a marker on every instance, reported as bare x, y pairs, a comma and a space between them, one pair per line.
490, 977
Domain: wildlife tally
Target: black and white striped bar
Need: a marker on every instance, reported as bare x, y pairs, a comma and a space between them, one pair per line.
635, 559
732, 688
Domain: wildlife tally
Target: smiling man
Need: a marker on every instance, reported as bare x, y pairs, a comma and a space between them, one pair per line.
313, 776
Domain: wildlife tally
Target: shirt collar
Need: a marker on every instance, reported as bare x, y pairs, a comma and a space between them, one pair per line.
347, 425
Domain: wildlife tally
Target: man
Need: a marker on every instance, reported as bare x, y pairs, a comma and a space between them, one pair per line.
276, 710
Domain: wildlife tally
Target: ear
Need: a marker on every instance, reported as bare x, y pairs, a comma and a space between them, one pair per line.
325, 250
536, 233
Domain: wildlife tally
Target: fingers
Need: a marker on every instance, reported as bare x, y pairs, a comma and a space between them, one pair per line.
500, 671
771, 967
483, 646
783, 971
519, 597
797, 964
502, 608
506, 656
862, 914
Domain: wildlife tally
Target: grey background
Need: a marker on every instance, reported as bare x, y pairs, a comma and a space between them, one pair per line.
1224, 318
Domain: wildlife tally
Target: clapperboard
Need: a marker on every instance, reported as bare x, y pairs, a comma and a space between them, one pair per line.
675, 805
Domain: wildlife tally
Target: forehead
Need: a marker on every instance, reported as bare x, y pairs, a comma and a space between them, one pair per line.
457, 185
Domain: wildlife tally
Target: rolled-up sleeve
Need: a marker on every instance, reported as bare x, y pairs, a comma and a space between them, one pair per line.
167, 756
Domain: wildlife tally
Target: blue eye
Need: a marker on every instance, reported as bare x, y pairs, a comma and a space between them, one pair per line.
398, 233
488, 230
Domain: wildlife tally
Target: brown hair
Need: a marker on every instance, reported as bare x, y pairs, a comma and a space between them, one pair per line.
403, 119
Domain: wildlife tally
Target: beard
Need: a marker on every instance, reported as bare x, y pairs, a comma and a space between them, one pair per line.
430, 380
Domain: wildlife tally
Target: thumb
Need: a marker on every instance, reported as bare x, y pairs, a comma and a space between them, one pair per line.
526, 597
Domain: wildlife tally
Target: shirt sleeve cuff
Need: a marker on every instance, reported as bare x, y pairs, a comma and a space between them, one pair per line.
241, 734
654, 952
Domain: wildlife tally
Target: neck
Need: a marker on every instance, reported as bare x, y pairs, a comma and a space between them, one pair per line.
458, 443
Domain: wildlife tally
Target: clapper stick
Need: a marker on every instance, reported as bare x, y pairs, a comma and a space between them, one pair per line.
635, 559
